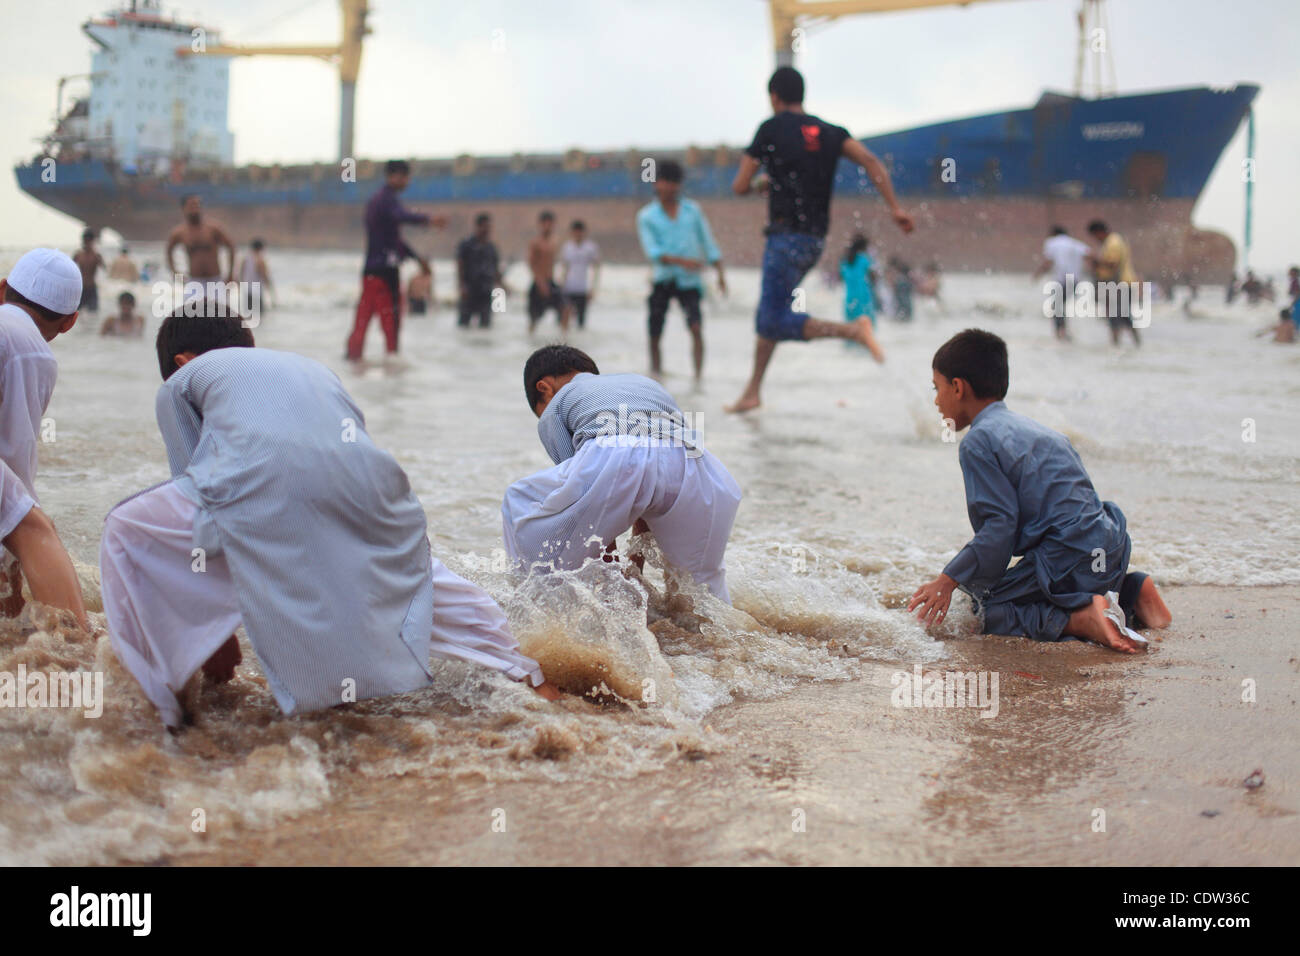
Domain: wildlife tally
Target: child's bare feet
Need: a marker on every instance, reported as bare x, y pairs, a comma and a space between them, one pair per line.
1092, 624
220, 667
1150, 607
548, 690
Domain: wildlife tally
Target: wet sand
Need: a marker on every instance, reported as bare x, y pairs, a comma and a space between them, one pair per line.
1160, 743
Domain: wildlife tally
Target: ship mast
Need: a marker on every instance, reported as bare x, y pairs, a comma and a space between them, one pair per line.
347, 55
791, 17
1094, 37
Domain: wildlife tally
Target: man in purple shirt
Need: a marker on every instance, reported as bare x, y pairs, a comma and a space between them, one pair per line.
385, 250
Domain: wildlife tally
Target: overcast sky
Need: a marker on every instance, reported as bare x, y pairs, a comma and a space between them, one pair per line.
618, 73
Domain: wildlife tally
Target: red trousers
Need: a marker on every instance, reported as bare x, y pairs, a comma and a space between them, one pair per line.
376, 296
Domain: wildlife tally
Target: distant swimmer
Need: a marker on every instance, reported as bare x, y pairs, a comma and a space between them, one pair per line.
478, 273
543, 295
579, 273
127, 322
800, 154
676, 238
316, 545
255, 277
1065, 258
40, 299
1113, 263
381, 289
122, 268
89, 261
1027, 494
203, 242
626, 457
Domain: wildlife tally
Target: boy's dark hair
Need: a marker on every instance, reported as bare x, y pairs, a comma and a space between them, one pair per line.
787, 84
670, 171
88, 234
553, 360
198, 334
15, 297
126, 297
977, 356
482, 218
546, 216
258, 245
186, 197
1098, 225
578, 224
396, 166
1057, 231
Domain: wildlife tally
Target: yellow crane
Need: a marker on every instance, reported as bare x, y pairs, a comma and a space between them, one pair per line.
790, 17
347, 55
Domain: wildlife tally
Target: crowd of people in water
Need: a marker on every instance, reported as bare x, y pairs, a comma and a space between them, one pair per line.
280, 491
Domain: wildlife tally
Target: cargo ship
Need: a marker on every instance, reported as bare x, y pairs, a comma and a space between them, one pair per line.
984, 190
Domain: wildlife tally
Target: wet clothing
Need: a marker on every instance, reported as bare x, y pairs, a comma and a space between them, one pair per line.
859, 300
28, 371
579, 259
685, 236
622, 451
318, 544
1028, 495
539, 303
379, 296
385, 215
479, 264
800, 154
787, 258
577, 301
662, 295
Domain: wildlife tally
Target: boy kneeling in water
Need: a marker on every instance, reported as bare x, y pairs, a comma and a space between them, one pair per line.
284, 515
1027, 494
624, 458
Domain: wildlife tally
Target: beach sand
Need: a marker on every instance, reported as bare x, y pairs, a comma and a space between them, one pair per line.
1160, 743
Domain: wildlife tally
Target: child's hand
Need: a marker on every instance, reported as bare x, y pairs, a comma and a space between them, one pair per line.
931, 600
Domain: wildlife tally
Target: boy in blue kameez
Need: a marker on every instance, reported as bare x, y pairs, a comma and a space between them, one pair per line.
1028, 495
283, 515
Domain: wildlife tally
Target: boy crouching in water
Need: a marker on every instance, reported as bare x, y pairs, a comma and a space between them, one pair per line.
624, 458
1027, 494
282, 514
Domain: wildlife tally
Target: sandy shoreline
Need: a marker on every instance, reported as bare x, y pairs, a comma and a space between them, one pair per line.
1156, 743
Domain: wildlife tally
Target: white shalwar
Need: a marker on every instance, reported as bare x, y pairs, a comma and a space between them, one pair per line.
285, 517
28, 371
607, 475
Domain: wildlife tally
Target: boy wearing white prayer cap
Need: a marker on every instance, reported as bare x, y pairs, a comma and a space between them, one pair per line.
39, 300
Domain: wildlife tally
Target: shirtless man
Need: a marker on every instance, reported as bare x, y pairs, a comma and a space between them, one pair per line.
89, 261
202, 242
543, 294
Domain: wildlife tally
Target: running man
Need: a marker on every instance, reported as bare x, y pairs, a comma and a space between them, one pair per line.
543, 294
381, 289
799, 153
677, 240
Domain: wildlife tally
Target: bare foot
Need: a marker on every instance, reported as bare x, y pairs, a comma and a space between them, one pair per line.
866, 335
1150, 607
548, 690
220, 667
1092, 624
745, 403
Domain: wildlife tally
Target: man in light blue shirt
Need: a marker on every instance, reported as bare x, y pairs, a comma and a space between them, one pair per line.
678, 242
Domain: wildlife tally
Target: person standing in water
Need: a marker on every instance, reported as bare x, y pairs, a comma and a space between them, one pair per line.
89, 261
1113, 266
381, 289
478, 273
579, 273
676, 238
855, 270
203, 242
542, 294
1064, 257
255, 276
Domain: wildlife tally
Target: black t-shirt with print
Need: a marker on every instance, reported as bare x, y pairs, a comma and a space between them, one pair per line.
800, 153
